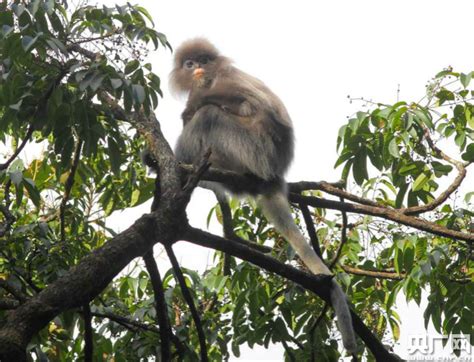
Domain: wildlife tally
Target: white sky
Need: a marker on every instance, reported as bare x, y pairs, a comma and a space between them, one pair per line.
313, 54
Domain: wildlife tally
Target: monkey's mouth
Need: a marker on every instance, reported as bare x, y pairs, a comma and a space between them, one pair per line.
198, 73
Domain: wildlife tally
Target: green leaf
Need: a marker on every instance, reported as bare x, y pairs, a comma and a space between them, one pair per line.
32, 191
16, 177
360, 167
469, 154
115, 82
424, 117
114, 153
27, 42
445, 95
465, 79
34, 6
421, 181
393, 148
408, 258
441, 169
131, 66
401, 196
138, 93
469, 117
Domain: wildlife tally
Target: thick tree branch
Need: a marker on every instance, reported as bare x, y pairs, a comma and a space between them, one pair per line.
332, 189
319, 284
231, 178
385, 213
95, 271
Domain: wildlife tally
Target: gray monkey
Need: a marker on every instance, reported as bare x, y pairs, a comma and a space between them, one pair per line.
249, 131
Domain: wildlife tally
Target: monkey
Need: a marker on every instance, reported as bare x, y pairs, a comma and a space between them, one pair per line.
250, 132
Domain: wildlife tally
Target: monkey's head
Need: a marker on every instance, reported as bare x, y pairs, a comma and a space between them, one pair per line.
197, 63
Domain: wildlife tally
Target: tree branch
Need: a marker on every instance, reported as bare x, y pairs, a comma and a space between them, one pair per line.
189, 300
13, 290
29, 132
385, 213
319, 284
9, 220
343, 238
313, 236
8, 303
160, 306
68, 187
461, 167
95, 271
88, 333
231, 178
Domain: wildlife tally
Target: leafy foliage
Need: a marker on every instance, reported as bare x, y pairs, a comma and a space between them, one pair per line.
56, 64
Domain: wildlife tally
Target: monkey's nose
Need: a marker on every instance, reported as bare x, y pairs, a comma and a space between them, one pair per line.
198, 73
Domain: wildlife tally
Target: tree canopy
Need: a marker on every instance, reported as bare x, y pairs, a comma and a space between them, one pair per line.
77, 96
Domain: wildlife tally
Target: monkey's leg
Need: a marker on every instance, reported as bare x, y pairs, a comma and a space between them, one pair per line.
277, 209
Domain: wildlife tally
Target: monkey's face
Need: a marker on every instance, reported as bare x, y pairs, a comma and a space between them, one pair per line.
196, 65
200, 70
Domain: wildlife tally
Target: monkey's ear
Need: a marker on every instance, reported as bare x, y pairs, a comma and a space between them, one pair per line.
149, 160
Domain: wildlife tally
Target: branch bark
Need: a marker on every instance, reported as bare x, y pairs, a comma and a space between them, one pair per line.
319, 284
160, 305
189, 300
385, 213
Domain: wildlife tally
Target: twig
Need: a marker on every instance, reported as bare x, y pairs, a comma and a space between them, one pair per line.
189, 300
195, 177
343, 238
288, 351
13, 290
227, 226
68, 187
386, 274
313, 236
4, 166
9, 220
124, 321
461, 167
88, 333
160, 306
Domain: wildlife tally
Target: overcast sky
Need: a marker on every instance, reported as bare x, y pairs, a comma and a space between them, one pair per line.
313, 55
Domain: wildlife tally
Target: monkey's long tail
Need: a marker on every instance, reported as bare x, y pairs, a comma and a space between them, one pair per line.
277, 209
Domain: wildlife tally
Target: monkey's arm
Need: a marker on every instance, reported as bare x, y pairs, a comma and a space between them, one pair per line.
233, 104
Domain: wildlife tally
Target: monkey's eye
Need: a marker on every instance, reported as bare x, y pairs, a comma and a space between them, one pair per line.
204, 60
189, 64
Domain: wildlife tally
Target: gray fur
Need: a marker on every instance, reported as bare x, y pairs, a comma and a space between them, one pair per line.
249, 131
